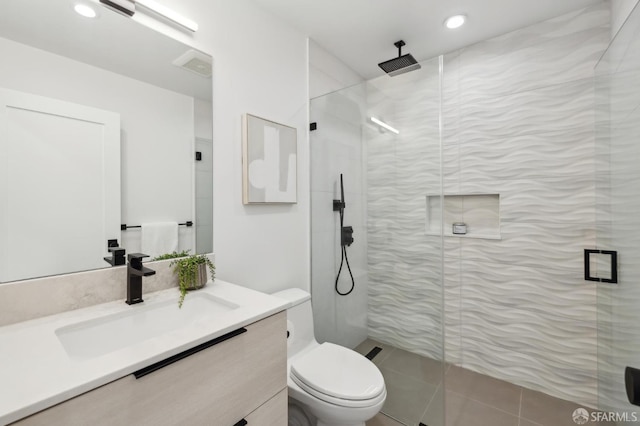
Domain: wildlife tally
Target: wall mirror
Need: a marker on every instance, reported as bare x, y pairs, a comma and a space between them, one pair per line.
105, 122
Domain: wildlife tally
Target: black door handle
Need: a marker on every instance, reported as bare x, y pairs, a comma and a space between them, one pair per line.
614, 266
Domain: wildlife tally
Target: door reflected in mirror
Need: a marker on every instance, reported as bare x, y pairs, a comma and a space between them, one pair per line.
114, 65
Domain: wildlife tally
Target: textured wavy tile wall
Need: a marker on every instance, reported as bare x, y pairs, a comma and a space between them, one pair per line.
518, 116
405, 291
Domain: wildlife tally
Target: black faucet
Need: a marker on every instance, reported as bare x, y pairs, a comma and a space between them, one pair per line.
117, 256
135, 272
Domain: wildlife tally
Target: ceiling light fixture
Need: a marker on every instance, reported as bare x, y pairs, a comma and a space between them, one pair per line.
455, 21
129, 7
85, 10
385, 125
126, 7
167, 13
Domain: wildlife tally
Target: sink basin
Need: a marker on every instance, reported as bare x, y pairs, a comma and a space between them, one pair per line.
109, 333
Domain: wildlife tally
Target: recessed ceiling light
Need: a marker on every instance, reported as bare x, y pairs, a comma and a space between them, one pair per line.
455, 21
85, 10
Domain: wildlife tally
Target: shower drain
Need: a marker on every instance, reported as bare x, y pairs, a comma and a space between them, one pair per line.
373, 352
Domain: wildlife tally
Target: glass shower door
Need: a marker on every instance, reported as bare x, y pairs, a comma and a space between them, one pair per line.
405, 244
617, 212
384, 137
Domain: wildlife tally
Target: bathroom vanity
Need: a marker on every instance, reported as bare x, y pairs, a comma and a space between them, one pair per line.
224, 362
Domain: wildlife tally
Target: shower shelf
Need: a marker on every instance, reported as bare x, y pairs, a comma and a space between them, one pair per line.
475, 236
479, 212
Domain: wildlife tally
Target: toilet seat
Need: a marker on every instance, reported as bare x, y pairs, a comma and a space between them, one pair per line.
339, 376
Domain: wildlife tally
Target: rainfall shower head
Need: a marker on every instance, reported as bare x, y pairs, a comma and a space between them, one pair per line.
401, 64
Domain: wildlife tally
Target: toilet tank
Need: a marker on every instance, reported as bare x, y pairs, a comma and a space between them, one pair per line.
299, 320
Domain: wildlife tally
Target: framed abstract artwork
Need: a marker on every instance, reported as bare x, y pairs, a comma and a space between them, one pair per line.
269, 161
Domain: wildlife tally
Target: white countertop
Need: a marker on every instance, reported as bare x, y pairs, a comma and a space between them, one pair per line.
36, 372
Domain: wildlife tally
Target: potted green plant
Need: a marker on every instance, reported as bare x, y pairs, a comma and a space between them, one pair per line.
192, 273
172, 255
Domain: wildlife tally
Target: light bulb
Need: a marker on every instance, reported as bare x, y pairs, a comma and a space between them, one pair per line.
455, 21
85, 10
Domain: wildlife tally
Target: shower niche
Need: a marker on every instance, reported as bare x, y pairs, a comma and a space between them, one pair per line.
471, 215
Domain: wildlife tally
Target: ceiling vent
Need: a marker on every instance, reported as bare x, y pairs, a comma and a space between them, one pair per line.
196, 62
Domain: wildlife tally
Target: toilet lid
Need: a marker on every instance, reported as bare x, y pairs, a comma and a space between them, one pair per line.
338, 372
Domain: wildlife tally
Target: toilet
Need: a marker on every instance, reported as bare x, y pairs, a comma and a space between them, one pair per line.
329, 385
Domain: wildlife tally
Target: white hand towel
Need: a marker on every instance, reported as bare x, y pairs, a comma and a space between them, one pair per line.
159, 238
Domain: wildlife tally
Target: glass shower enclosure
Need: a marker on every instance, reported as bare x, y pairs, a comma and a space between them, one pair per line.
617, 208
510, 291
383, 137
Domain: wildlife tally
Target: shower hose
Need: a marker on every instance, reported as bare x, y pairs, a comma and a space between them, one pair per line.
344, 258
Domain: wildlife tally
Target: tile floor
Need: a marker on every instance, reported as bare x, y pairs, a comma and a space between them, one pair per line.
415, 395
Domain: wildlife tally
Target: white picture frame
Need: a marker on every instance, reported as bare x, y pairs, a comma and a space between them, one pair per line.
269, 162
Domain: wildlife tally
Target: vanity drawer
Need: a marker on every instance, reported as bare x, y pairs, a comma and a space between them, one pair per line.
271, 413
219, 385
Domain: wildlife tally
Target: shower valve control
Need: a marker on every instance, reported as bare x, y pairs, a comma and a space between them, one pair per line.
347, 235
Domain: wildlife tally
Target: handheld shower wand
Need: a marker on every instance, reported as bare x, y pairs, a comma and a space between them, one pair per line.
346, 239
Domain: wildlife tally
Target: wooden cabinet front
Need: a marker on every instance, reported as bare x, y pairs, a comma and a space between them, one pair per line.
218, 386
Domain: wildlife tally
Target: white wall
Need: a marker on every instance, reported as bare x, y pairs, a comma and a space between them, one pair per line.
203, 119
260, 67
620, 10
327, 73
